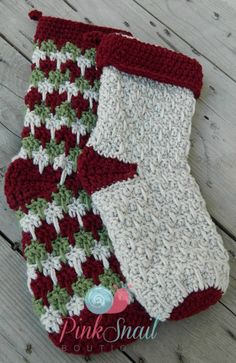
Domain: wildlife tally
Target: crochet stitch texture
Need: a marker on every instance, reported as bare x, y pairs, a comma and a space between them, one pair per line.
135, 166
65, 244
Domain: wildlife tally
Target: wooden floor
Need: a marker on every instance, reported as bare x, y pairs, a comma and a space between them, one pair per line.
204, 29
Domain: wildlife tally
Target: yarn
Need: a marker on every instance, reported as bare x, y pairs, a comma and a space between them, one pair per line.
65, 245
161, 232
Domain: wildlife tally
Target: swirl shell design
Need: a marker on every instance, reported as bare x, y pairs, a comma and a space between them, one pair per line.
99, 300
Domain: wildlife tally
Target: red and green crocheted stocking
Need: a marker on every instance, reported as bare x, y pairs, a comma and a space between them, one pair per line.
65, 244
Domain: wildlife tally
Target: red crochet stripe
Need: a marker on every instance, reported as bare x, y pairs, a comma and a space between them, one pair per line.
62, 31
135, 57
196, 302
69, 226
97, 171
67, 276
41, 286
47, 65
33, 98
23, 182
134, 315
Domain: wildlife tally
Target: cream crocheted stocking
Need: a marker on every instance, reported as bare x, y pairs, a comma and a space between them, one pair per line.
135, 166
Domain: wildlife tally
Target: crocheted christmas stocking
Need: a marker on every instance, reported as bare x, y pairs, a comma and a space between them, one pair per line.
135, 166
65, 244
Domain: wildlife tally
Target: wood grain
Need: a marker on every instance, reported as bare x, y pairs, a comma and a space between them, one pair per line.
14, 75
205, 338
229, 298
209, 26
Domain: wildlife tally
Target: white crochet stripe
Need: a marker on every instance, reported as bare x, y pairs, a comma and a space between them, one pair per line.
162, 234
52, 319
75, 257
29, 222
53, 213
53, 123
45, 87
41, 158
60, 57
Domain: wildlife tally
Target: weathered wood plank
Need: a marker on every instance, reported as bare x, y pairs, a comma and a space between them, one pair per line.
205, 338
213, 153
208, 25
229, 298
14, 75
22, 338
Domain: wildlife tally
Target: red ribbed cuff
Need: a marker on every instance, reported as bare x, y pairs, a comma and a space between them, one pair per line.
62, 31
135, 57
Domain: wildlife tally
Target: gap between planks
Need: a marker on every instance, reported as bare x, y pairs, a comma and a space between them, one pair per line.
150, 6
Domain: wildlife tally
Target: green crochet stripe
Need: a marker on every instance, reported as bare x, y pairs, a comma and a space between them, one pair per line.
38, 307
60, 247
81, 286
59, 297
104, 239
49, 47
72, 50
30, 144
66, 112
110, 280
58, 78
86, 241
36, 253
42, 111
62, 198
38, 206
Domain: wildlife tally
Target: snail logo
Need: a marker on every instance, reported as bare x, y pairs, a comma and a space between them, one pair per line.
99, 300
